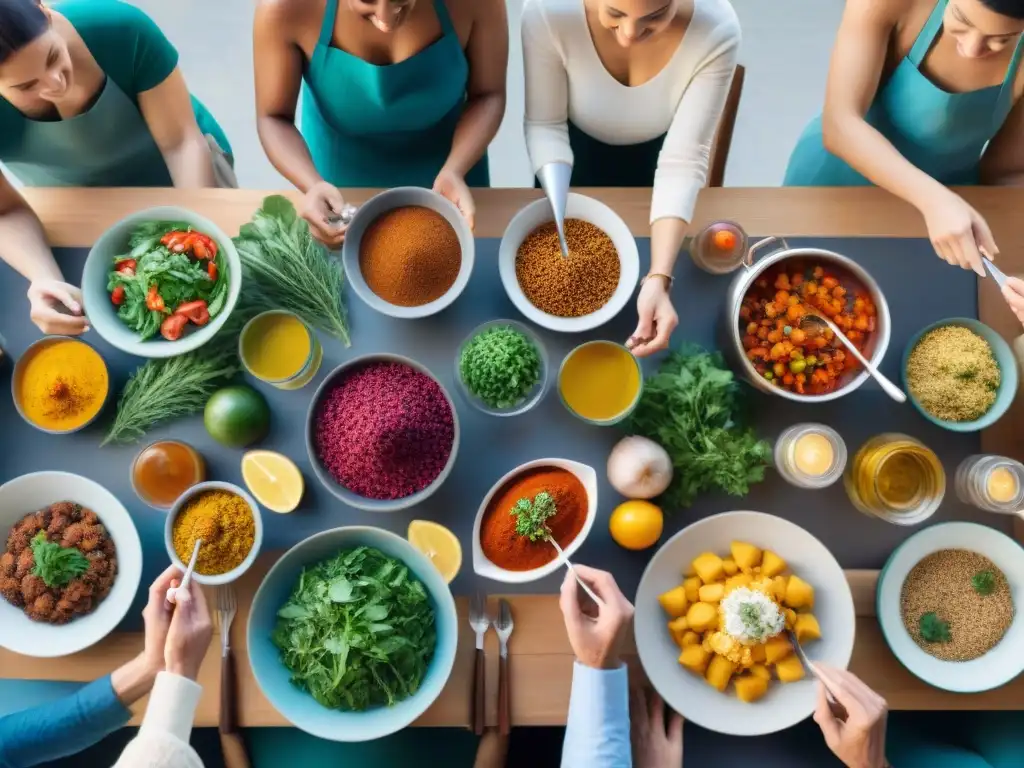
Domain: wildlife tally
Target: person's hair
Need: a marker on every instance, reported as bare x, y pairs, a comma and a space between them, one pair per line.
21, 22
1012, 8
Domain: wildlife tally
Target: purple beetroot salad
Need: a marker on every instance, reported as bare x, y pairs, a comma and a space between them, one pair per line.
385, 431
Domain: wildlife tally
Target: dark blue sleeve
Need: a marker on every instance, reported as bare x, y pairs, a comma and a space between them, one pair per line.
61, 728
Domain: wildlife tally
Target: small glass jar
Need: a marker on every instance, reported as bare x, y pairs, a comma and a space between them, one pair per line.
257, 331
896, 478
810, 456
164, 470
991, 483
719, 248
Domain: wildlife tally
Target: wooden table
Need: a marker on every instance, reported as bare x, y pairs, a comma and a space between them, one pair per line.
541, 662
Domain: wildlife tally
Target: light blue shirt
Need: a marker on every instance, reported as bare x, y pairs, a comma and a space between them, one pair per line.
63, 727
597, 729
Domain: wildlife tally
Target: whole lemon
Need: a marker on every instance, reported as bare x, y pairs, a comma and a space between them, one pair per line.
636, 524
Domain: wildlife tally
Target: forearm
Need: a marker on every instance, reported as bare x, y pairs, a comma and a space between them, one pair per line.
597, 730
190, 163
23, 244
133, 680
475, 131
288, 152
667, 235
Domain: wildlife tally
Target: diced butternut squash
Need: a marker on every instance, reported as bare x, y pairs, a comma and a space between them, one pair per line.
694, 658
692, 586
712, 593
747, 556
757, 653
760, 670
777, 648
737, 581
677, 627
709, 567
750, 688
702, 616
799, 594
705, 642
674, 602
790, 615
806, 628
771, 564
719, 672
779, 588
689, 638
729, 566
790, 669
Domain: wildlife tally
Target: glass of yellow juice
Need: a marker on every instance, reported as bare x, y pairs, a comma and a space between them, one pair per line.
896, 478
279, 348
600, 382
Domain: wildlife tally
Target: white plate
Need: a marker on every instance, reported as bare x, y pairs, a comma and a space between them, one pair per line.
38, 490
997, 667
784, 705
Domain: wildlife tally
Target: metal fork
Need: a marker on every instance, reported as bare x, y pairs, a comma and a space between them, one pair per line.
231, 742
479, 621
503, 625
838, 710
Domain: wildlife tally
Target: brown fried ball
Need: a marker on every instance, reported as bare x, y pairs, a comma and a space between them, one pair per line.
32, 587
90, 543
10, 589
41, 608
73, 534
65, 508
26, 561
7, 564
57, 525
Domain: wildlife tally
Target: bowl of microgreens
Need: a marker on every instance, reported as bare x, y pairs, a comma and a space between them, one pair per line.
502, 368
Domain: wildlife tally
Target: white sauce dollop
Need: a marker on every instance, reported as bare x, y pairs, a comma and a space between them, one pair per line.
750, 616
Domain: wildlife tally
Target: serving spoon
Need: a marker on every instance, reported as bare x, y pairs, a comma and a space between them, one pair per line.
561, 556
172, 592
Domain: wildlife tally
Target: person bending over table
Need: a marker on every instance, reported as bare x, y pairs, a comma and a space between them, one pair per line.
175, 644
630, 93
923, 94
395, 93
91, 95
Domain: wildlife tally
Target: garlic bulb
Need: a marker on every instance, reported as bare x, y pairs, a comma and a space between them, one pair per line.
639, 468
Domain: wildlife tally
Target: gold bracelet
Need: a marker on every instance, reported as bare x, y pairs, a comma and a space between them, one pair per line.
667, 278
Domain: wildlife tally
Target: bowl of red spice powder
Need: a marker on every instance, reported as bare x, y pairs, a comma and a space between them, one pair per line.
500, 553
382, 433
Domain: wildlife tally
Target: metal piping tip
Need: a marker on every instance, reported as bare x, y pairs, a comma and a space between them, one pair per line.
554, 180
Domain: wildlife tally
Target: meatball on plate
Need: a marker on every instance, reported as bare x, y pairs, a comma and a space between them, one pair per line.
70, 563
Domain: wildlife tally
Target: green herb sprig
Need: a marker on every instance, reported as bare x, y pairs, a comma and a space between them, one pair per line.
984, 583
532, 516
54, 564
500, 366
933, 629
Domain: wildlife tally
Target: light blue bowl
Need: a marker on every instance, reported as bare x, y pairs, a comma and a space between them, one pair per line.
1007, 369
299, 707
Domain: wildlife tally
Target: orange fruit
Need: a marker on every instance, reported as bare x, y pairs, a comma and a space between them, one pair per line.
636, 524
724, 239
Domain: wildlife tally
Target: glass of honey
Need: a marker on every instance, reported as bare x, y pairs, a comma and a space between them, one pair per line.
991, 483
896, 478
164, 470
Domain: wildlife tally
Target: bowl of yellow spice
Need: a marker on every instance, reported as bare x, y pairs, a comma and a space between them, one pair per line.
60, 385
227, 520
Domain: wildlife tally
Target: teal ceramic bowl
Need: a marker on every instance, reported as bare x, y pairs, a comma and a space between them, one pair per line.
298, 706
1007, 369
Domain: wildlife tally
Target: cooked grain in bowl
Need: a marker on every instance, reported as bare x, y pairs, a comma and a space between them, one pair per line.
953, 374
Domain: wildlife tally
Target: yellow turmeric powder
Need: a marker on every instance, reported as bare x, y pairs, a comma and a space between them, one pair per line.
63, 384
224, 522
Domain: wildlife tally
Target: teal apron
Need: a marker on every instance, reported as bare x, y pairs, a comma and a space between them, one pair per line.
108, 145
941, 133
412, 747
596, 164
385, 126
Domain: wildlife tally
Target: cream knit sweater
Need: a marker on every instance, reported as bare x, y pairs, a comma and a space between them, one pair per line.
163, 738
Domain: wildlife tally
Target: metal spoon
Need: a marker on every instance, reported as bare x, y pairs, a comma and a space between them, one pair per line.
554, 180
561, 556
838, 710
811, 323
172, 592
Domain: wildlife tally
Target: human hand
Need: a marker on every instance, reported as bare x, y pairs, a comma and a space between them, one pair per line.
452, 186
957, 231
860, 741
189, 634
656, 743
657, 319
47, 297
321, 206
156, 618
595, 633
1014, 295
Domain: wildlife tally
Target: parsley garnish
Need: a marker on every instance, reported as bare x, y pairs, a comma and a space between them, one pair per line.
933, 629
984, 583
532, 516
54, 564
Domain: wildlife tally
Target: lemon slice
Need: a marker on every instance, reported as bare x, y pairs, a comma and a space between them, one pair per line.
440, 546
273, 479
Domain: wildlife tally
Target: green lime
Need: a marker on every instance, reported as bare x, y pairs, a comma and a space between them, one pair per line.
237, 416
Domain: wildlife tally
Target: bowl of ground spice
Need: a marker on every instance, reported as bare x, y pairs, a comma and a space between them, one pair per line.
960, 374
60, 385
382, 433
946, 603
408, 252
228, 521
577, 293
537, 501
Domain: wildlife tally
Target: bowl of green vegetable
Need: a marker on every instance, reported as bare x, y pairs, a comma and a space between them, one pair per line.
161, 282
502, 368
352, 634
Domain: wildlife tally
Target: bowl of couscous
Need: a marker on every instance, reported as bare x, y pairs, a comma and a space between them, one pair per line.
960, 374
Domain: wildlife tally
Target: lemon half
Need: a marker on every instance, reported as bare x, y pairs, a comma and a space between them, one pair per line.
273, 479
440, 546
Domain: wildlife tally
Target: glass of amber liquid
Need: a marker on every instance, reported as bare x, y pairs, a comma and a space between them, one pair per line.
896, 478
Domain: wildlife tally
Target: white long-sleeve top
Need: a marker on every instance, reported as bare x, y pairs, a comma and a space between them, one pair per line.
162, 741
567, 81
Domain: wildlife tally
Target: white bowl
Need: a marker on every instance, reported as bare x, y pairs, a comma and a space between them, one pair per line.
103, 315
484, 567
997, 667
214, 485
400, 197
38, 490
784, 705
579, 207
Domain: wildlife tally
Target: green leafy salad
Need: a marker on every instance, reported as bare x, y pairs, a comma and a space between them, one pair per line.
358, 631
172, 276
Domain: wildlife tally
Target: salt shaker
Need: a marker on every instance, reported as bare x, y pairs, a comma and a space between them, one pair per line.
991, 483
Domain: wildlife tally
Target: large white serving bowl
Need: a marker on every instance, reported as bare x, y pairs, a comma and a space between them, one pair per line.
484, 567
997, 667
103, 315
36, 491
784, 705
579, 207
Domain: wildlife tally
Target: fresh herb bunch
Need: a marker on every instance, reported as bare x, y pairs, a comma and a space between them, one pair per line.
692, 408
933, 629
358, 631
984, 583
500, 366
54, 564
285, 268
532, 516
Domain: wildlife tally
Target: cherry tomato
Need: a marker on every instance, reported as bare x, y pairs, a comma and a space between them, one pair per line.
173, 326
126, 266
154, 300
117, 295
195, 311
211, 269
